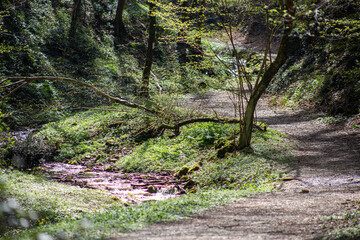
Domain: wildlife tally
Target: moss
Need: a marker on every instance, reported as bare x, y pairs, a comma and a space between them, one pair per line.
194, 167
190, 184
152, 189
73, 162
184, 170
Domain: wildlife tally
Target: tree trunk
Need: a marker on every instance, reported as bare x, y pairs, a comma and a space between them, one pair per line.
181, 44
120, 31
75, 19
144, 88
246, 129
196, 48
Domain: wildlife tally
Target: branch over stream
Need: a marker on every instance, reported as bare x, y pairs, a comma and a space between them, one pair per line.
27, 80
146, 132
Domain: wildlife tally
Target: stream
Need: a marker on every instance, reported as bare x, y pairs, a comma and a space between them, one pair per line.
131, 188
128, 187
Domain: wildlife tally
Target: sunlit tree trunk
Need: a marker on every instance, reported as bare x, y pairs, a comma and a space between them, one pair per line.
259, 89
196, 48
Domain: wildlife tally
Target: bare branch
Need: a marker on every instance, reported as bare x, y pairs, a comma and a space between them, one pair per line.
107, 96
16, 89
12, 84
102, 109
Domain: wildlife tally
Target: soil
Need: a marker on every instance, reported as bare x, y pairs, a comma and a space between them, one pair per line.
324, 179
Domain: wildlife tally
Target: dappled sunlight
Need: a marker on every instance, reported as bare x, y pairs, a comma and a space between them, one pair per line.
129, 188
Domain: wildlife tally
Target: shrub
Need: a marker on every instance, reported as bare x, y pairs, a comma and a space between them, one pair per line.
29, 152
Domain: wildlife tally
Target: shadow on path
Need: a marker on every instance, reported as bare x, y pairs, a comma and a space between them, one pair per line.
326, 172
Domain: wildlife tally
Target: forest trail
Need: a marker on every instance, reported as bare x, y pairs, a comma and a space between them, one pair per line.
325, 177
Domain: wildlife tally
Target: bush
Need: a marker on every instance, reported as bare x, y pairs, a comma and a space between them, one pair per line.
30, 152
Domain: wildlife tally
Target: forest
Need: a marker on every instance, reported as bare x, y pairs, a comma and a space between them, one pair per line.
118, 114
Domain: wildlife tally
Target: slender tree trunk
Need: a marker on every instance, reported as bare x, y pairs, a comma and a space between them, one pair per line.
144, 89
120, 31
181, 48
181, 44
196, 48
246, 131
75, 19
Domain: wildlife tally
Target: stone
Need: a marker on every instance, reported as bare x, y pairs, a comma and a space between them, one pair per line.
152, 189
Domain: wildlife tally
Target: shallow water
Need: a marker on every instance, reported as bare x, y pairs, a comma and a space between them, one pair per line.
128, 187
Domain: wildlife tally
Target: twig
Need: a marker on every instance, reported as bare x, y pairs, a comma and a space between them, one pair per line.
12, 84
9, 94
156, 82
102, 109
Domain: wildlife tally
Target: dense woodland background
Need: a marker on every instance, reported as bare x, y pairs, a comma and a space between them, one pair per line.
322, 69
152, 54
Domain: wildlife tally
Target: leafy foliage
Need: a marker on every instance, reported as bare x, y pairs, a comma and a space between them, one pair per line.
325, 69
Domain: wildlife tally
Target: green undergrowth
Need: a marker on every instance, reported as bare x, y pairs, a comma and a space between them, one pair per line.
39, 201
247, 170
345, 225
91, 134
95, 136
197, 145
325, 78
111, 221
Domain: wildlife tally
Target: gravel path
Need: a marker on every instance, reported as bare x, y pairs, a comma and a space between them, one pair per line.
326, 172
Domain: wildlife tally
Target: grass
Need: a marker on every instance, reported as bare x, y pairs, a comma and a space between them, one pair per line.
345, 225
111, 221
90, 132
68, 212
196, 145
51, 200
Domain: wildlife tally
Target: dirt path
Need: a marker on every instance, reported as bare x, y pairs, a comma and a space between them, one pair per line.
326, 169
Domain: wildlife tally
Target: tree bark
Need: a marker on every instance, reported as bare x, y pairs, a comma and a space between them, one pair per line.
182, 47
196, 48
120, 31
144, 88
75, 19
259, 89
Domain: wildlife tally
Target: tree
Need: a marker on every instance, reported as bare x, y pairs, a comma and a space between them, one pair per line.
75, 18
196, 51
120, 31
144, 88
247, 91
287, 7
181, 43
